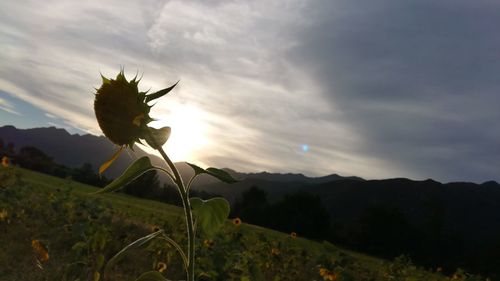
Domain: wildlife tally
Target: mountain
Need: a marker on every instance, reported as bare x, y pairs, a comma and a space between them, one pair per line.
70, 150
74, 150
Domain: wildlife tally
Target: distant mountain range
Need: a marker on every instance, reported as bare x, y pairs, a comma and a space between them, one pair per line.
74, 150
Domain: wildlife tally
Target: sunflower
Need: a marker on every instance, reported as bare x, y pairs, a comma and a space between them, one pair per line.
161, 266
41, 251
4, 215
208, 243
122, 112
5, 161
237, 221
275, 252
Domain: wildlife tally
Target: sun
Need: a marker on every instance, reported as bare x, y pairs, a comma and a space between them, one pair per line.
188, 137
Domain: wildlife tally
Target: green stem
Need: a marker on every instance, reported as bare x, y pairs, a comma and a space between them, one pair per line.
178, 248
187, 212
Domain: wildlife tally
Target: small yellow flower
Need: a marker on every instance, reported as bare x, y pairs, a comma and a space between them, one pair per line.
161, 266
3, 215
275, 252
323, 271
327, 274
293, 235
5, 161
208, 243
237, 221
155, 228
40, 250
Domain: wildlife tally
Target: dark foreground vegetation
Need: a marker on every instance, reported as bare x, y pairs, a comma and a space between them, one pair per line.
436, 226
56, 231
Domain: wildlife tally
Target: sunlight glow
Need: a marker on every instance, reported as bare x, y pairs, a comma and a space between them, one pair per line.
188, 136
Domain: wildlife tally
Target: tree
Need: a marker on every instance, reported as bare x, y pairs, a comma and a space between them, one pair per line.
32, 158
301, 212
253, 206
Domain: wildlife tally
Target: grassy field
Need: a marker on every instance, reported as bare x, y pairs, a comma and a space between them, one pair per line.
54, 229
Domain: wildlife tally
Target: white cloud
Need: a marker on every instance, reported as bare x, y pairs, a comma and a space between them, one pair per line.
6, 106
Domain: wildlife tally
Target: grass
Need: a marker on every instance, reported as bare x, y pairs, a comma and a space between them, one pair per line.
82, 231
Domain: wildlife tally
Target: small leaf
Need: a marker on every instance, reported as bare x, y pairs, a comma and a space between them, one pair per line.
221, 175
158, 137
217, 173
197, 170
139, 167
97, 276
108, 163
160, 93
211, 213
134, 245
151, 276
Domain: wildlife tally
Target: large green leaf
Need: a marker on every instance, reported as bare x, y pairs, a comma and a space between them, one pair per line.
151, 276
210, 214
134, 245
139, 167
157, 137
217, 173
160, 93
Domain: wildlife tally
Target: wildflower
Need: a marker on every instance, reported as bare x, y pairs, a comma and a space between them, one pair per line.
40, 250
161, 266
123, 114
293, 235
155, 228
275, 252
327, 274
208, 243
237, 221
5, 161
3, 215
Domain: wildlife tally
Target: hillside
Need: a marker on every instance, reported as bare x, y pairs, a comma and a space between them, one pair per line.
65, 218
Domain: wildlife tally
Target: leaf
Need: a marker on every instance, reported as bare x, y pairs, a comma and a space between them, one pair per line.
151, 276
221, 175
157, 137
197, 170
139, 167
160, 93
134, 245
108, 163
211, 214
217, 173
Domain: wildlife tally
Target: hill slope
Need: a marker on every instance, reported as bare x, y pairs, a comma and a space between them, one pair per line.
65, 218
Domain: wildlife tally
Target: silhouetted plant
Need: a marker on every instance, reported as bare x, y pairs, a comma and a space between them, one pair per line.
122, 112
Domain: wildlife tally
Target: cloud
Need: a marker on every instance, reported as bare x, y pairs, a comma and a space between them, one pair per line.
417, 80
7, 106
375, 88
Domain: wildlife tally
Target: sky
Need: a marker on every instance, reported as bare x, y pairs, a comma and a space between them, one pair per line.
372, 88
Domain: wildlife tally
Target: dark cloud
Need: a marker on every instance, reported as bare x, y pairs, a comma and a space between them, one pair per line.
418, 80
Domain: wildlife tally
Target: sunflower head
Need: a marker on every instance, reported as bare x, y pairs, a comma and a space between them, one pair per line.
121, 110
237, 221
5, 161
123, 114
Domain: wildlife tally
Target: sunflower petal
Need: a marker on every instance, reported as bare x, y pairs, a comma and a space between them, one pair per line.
108, 163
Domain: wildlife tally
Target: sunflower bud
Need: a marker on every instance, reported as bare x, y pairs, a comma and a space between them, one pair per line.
123, 114
121, 110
